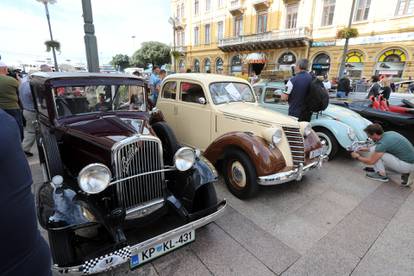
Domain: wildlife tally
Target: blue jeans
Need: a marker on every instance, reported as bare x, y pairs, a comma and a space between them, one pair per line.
17, 115
341, 94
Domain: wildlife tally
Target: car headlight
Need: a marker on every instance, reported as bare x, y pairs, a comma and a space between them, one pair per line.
277, 136
351, 134
184, 159
308, 130
94, 178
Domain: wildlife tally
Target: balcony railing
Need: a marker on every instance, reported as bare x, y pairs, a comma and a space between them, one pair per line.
181, 49
287, 34
236, 7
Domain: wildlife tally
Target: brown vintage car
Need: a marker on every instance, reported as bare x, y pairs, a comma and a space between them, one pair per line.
118, 188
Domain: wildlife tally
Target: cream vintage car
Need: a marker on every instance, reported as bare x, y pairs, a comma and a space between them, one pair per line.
251, 145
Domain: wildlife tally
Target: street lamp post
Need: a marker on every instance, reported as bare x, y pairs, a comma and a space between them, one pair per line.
90, 38
172, 21
345, 51
46, 2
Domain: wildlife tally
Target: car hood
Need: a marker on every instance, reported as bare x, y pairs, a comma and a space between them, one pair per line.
107, 129
254, 112
348, 117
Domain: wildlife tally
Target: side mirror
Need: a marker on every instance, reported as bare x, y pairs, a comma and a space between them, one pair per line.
202, 100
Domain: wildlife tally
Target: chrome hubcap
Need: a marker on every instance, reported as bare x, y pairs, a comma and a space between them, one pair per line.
238, 174
328, 145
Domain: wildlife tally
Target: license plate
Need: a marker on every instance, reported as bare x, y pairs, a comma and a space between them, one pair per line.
315, 153
145, 255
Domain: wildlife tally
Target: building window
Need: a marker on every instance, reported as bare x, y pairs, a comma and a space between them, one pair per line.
328, 12
196, 6
196, 36
238, 25
219, 66
182, 38
208, 5
196, 66
178, 38
207, 65
354, 66
220, 28
321, 64
391, 62
181, 64
207, 34
182, 9
236, 64
362, 10
261, 22
178, 10
291, 16
405, 7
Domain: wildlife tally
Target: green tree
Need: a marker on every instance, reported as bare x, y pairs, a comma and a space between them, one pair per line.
120, 61
153, 52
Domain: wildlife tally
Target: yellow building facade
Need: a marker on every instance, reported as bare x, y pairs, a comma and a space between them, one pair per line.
243, 36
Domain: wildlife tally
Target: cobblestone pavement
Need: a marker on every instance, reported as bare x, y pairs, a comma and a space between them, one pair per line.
334, 222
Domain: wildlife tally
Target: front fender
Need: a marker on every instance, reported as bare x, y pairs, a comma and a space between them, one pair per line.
267, 159
58, 209
338, 129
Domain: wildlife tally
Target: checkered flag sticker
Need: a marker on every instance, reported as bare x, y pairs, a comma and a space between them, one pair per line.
106, 262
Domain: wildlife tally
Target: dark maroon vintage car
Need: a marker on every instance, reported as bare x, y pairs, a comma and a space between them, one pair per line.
118, 188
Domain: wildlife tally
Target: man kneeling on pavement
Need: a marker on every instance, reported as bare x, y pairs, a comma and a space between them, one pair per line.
391, 151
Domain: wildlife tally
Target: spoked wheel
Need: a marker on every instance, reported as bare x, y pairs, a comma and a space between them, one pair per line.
331, 144
240, 174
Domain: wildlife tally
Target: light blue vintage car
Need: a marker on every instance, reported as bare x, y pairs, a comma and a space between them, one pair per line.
337, 126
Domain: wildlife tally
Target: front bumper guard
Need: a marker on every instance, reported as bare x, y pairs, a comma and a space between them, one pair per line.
123, 255
295, 174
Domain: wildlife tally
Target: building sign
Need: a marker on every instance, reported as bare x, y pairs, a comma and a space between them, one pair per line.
378, 39
323, 43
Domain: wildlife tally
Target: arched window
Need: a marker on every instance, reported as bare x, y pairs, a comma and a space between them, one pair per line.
219, 66
391, 62
207, 65
321, 64
354, 64
181, 64
354, 57
236, 64
196, 66
287, 58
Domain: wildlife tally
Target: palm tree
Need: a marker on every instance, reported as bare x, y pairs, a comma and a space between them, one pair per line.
54, 43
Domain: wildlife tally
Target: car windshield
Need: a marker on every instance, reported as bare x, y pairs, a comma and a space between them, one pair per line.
226, 92
74, 100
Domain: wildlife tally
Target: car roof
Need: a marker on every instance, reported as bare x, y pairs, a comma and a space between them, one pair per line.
269, 83
60, 75
204, 77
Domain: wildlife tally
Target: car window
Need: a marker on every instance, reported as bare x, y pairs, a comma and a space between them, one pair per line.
101, 98
226, 92
40, 100
258, 90
272, 95
191, 92
169, 90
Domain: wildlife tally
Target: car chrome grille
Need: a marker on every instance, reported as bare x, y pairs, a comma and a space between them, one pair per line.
136, 156
296, 144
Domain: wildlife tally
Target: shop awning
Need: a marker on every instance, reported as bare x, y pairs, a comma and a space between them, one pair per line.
255, 58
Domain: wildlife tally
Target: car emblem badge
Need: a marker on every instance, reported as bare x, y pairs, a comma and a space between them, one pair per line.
127, 159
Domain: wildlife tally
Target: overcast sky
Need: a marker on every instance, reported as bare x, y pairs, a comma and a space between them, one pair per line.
23, 28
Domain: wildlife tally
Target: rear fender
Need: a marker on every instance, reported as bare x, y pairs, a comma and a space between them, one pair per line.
266, 158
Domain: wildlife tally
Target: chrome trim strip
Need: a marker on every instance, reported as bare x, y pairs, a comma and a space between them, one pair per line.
141, 174
77, 270
295, 174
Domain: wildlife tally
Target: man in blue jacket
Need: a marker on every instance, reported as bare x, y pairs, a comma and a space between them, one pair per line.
23, 251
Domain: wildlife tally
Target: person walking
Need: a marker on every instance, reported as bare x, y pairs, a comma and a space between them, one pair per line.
154, 82
297, 89
327, 83
9, 99
24, 251
344, 87
392, 151
29, 114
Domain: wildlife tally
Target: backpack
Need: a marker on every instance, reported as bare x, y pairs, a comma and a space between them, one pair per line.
317, 98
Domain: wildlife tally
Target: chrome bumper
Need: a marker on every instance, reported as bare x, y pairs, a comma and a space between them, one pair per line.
295, 174
123, 255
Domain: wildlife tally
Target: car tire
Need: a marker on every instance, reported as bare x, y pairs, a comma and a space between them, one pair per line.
169, 141
332, 144
240, 174
63, 253
205, 197
52, 155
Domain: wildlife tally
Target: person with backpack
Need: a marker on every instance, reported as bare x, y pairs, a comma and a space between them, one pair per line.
316, 100
297, 89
